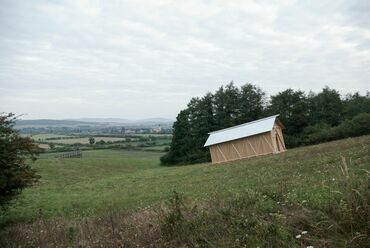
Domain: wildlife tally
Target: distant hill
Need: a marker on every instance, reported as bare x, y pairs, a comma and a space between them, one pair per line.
103, 120
92, 122
122, 120
50, 122
154, 121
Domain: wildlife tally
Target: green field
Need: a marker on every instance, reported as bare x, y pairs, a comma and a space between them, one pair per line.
62, 143
129, 179
106, 180
83, 186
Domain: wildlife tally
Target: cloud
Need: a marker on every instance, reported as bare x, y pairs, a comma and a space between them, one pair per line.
137, 59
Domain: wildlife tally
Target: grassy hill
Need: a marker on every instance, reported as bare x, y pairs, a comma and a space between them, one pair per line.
114, 197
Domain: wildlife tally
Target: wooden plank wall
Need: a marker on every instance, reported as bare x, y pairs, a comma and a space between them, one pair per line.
278, 139
242, 148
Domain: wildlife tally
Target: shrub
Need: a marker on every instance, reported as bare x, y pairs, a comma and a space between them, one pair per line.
15, 171
359, 125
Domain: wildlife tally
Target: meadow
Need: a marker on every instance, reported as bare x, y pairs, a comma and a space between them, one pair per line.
314, 184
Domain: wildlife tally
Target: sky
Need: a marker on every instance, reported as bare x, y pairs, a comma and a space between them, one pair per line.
143, 59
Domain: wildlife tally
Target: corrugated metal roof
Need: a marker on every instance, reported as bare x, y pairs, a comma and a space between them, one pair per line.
241, 131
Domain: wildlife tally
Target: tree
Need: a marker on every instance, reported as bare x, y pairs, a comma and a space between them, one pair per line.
229, 106
293, 109
327, 107
225, 104
355, 104
15, 153
181, 142
92, 140
250, 103
302, 114
202, 122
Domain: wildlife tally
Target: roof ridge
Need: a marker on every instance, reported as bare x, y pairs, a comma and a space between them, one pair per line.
244, 124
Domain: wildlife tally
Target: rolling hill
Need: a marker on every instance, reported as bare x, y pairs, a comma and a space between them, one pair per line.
308, 196
20, 123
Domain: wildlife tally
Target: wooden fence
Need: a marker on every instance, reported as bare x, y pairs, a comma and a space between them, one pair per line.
74, 154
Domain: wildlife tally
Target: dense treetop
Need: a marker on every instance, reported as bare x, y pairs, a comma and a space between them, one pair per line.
305, 115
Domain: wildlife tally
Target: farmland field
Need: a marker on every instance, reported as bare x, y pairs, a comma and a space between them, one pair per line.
44, 136
44, 146
85, 140
106, 180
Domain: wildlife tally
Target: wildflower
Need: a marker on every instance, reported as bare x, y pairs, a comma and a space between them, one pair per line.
304, 232
298, 236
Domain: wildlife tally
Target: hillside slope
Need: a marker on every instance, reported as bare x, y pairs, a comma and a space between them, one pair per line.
320, 189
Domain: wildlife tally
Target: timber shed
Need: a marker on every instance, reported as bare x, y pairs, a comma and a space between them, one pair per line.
247, 140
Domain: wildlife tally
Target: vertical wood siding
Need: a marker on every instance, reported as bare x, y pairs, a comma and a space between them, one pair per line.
261, 144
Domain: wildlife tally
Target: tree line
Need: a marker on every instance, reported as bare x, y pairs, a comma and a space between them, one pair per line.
309, 118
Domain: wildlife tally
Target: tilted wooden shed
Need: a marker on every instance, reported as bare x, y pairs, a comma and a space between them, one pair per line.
247, 140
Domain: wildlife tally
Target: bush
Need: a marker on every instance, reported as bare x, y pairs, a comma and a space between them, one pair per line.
292, 140
169, 158
359, 125
15, 172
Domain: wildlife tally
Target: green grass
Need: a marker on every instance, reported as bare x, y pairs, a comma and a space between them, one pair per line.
115, 198
83, 186
131, 179
155, 148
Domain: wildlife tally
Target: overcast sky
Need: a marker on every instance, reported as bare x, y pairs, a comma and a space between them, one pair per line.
140, 59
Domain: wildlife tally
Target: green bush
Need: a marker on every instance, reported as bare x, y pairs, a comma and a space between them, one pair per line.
15, 153
359, 125
292, 141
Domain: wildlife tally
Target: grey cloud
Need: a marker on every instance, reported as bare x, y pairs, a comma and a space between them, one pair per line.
138, 58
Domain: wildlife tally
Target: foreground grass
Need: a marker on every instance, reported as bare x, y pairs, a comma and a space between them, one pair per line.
112, 198
81, 187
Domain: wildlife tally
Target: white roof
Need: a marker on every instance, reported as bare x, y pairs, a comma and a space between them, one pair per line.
241, 131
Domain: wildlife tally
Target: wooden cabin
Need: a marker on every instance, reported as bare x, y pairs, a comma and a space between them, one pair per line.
256, 138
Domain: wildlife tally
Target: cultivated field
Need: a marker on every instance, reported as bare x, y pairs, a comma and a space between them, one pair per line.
85, 140
309, 180
44, 136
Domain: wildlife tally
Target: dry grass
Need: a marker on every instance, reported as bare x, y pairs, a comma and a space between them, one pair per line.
115, 229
